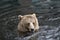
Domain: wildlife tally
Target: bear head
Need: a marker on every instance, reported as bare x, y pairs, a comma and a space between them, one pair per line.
28, 23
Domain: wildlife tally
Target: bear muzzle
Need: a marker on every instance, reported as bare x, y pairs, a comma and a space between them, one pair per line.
32, 30
31, 27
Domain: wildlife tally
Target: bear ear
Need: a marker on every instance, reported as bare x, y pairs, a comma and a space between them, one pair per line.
34, 14
20, 17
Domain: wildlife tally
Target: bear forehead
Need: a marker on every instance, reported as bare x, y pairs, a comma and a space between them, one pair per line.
28, 18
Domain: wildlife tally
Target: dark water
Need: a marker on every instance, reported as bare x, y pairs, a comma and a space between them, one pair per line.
48, 14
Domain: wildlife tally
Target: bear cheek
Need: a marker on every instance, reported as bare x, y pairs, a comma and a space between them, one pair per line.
36, 28
22, 28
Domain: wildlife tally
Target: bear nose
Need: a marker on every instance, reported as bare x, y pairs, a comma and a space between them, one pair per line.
32, 30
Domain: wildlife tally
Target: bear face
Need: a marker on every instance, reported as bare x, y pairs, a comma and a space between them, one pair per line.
28, 23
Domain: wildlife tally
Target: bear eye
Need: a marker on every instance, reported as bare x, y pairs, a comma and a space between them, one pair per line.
33, 23
28, 23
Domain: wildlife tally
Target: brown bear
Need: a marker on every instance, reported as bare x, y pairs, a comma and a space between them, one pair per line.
28, 23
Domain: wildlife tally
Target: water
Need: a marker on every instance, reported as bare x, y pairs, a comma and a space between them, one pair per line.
48, 14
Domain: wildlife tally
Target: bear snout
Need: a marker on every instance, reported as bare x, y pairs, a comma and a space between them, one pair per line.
32, 30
